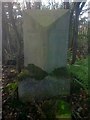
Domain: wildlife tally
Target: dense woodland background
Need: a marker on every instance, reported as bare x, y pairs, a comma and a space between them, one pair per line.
75, 105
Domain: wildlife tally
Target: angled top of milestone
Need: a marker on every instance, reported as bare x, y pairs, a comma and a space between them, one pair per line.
45, 17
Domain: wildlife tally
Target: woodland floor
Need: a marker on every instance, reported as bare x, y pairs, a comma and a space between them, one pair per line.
13, 109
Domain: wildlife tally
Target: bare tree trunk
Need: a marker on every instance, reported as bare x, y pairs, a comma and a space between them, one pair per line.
89, 37
4, 35
28, 5
19, 38
75, 35
66, 5
37, 5
70, 30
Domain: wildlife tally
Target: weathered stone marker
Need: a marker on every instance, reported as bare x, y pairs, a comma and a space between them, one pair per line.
46, 38
47, 88
45, 45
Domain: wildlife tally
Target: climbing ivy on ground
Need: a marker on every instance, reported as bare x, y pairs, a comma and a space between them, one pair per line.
63, 107
12, 86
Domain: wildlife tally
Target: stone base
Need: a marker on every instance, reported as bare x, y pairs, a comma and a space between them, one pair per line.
31, 89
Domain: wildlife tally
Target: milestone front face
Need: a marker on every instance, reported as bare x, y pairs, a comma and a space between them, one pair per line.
46, 38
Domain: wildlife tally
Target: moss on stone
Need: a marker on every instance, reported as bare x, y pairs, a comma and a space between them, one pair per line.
60, 72
32, 71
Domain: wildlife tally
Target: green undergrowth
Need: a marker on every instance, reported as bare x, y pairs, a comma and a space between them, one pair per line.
63, 109
11, 87
79, 71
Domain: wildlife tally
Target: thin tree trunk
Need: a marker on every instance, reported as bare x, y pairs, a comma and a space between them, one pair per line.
19, 39
75, 35
75, 39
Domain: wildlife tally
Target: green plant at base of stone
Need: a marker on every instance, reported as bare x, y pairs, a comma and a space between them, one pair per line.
11, 87
63, 108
